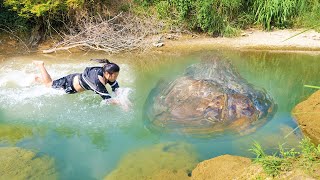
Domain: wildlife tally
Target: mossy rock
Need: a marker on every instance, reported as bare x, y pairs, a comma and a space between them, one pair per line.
17, 163
162, 161
14, 133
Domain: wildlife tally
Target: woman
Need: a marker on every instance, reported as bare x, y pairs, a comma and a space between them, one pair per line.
93, 78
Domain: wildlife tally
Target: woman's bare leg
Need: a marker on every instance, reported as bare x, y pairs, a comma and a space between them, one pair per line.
45, 76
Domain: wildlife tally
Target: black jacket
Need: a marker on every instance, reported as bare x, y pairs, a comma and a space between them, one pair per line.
89, 80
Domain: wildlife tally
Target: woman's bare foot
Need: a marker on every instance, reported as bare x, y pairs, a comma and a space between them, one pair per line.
45, 76
38, 79
38, 63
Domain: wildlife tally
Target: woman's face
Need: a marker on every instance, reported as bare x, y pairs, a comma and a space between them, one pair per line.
112, 77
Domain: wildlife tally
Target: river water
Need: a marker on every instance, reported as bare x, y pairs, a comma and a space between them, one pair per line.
89, 140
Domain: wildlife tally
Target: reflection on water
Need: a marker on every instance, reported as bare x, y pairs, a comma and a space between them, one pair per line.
88, 140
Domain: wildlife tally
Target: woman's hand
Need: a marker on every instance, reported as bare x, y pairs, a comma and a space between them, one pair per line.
115, 101
109, 101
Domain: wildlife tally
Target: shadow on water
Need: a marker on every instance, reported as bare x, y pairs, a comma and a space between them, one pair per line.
87, 140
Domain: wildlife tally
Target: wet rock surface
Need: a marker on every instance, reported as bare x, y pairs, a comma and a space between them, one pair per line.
162, 161
209, 97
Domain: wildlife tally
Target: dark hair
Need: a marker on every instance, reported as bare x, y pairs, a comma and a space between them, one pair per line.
110, 67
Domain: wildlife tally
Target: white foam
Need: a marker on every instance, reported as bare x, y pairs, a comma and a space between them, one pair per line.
24, 100
122, 98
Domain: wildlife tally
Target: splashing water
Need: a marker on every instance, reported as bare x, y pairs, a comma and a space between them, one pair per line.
25, 101
121, 98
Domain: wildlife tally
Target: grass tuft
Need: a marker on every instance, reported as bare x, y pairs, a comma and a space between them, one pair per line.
284, 160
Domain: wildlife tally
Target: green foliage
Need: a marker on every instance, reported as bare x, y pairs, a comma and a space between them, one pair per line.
124, 8
230, 31
144, 2
245, 20
10, 19
257, 150
29, 9
183, 7
276, 13
287, 154
310, 16
283, 160
163, 9
310, 152
209, 19
215, 17
224, 17
273, 164
47, 14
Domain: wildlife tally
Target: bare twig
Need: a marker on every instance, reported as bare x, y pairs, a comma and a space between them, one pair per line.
120, 33
11, 32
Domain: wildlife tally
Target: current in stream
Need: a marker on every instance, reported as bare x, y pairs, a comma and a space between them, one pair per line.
88, 140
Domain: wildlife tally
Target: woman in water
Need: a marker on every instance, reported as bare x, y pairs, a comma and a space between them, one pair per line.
93, 78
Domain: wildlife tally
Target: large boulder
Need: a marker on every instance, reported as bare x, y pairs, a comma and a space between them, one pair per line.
307, 113
209, 97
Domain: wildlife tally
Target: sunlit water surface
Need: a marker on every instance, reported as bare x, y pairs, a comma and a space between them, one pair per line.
87, 140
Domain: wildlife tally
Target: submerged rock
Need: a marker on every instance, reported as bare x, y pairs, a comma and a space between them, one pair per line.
162, 161
14, 133
210, 97
17, 163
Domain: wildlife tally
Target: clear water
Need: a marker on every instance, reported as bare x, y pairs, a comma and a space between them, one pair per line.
87, 140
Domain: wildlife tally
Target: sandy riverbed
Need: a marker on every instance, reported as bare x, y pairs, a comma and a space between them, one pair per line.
250, 39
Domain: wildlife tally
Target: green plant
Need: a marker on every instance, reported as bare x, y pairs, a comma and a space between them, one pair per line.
274, 164
311, 15
208, 18
287, 154
283, 160
11, 20
163, 9
276, 13
257, 150
309, 151
230, 31
183, 7
244, 20
125, 7
31, 9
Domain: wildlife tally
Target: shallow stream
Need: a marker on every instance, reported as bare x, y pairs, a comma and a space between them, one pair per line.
89, 140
